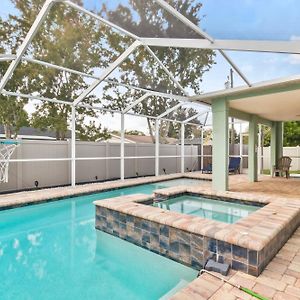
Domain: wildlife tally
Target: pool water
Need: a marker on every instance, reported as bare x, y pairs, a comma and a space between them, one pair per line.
52, 251
227, 212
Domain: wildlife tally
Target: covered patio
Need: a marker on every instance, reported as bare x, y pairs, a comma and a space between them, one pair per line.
268, 103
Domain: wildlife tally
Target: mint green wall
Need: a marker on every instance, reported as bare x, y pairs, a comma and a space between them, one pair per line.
276, 142
252, 149
220, 145
221, 112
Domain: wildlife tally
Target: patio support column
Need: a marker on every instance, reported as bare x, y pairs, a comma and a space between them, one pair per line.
220, 145
241, 147
182, 148
157, 123
252, 151
122, 150
73, 147
276, 142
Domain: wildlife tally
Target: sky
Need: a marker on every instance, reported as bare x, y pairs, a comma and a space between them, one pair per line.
231, 19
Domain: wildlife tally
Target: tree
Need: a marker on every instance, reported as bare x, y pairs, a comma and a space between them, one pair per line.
92, 132
291, 136
67, 38
173, 129
266, 132
12, 113
187, 65
233, 136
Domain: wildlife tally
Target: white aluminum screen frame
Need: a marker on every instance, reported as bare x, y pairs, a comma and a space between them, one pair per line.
206, 42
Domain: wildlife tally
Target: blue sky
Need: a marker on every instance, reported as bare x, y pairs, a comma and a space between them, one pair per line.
238, 19
248, 19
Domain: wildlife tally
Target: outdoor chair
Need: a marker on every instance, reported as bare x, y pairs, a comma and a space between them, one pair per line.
234, 166
207, 169
283, 166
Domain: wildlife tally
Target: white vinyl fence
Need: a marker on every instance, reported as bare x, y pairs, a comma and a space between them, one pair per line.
48, 162
292, 152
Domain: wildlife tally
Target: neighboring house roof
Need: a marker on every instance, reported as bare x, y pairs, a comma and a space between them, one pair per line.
115, 139
147, 139
197, 141
30, 133
139, 139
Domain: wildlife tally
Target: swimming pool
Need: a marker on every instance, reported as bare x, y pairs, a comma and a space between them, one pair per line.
52, 251
213, 209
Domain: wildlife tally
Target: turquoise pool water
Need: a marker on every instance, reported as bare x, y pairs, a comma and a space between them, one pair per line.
222, 211
52, 251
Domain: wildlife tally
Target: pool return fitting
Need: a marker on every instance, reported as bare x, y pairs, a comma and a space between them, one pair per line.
245, 290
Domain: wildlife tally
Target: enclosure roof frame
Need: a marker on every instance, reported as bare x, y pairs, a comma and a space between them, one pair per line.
206, 42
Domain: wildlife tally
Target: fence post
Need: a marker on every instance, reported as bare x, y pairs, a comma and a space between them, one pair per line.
73, 148
298, 157
202, 148
122, 164
182, 148
157, 147
19, 167
107, 161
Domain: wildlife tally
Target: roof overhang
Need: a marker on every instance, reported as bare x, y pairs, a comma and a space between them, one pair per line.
276, 100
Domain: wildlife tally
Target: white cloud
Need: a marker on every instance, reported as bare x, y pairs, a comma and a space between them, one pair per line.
295, 38
294, 59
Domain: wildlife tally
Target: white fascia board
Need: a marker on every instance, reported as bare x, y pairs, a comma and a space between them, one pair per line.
241, 89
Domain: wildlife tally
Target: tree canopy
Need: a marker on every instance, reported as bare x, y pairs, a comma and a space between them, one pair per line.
141, 69
74, 40
67, 38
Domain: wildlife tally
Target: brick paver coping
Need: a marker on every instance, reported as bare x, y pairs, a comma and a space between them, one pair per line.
248, 245
43, 195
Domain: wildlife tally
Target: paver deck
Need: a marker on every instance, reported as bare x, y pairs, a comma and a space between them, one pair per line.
279, 281
43, 195
237, 183
247, 245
